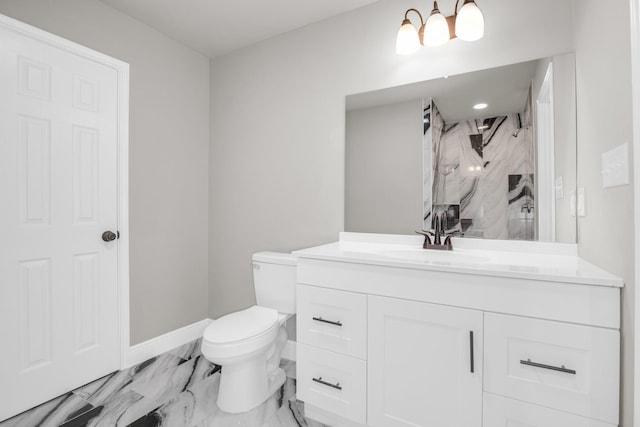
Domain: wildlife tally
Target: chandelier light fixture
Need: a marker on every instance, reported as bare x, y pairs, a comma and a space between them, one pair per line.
466, 24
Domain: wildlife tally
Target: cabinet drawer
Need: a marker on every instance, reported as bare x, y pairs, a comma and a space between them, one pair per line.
332, 381
504, 412
333, 320
568, 367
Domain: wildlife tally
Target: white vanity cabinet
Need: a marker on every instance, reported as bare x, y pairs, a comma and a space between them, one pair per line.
425, 364
392, 343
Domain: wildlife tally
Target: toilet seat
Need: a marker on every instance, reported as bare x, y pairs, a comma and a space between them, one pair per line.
243, 325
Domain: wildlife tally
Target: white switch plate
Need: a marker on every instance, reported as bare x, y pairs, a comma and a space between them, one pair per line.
559, 187
582, 204
572, 203
615, 166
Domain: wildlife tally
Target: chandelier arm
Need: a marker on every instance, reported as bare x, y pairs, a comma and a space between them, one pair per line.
416, 11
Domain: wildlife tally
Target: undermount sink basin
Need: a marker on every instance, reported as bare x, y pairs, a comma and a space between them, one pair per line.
436, 256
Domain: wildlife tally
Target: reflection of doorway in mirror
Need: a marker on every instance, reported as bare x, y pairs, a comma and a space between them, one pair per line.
546, 160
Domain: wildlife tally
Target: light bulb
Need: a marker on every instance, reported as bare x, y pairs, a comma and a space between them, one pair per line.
407, 41
436, 31
469, 22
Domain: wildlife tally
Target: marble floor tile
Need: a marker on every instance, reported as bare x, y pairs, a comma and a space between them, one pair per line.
188, 351
291, 415
52, 413
83, 419
289, 389
108, 387
253, 418
170, 383
189, 408
196, 407
176, 389
149, 420
122, 410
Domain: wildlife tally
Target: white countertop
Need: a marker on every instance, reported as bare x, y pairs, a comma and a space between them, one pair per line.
555, 262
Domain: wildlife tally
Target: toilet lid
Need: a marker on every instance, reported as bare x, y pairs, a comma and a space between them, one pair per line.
241, 325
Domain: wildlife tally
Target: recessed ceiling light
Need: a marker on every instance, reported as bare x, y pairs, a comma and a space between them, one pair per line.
483, 127
480, 106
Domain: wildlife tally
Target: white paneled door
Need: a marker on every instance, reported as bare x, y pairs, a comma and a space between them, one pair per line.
59, 320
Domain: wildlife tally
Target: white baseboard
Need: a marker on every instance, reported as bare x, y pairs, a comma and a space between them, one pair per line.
289, 351
145, 350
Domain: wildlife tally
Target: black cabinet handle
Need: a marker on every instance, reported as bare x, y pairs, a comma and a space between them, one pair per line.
471, 351
331, 322
319, 380
528, 362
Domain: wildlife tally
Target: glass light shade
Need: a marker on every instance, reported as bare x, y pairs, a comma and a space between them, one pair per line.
470, 22
436, 31
407, 41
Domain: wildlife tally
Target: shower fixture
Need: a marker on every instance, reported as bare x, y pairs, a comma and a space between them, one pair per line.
517, 131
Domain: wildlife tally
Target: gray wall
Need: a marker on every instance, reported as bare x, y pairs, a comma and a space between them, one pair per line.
383, 148
278, 122
603, 80
169, 137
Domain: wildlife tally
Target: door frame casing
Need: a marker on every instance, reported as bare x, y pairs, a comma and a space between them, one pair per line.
122, 70
545, 163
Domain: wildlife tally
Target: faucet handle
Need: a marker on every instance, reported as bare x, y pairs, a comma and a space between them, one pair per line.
427, 239
447, 240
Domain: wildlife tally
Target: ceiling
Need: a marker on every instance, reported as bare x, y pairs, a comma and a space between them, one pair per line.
505, 89
216, 27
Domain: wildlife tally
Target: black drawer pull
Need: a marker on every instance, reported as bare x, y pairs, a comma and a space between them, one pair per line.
319, 380
528, 362
331, 322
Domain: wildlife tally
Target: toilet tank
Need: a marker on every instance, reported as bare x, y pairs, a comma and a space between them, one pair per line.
274, 279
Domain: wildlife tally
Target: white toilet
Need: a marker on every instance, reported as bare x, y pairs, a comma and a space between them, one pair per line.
248, 343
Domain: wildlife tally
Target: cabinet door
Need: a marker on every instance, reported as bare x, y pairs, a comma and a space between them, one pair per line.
503, 412
425, 365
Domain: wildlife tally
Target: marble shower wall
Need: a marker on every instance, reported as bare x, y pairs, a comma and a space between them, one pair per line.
482, 179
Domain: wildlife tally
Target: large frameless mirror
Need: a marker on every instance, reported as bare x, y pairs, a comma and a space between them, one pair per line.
503, 170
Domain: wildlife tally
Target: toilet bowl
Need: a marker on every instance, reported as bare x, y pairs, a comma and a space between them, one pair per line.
248, 344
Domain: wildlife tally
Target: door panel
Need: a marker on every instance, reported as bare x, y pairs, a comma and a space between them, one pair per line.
59, 316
